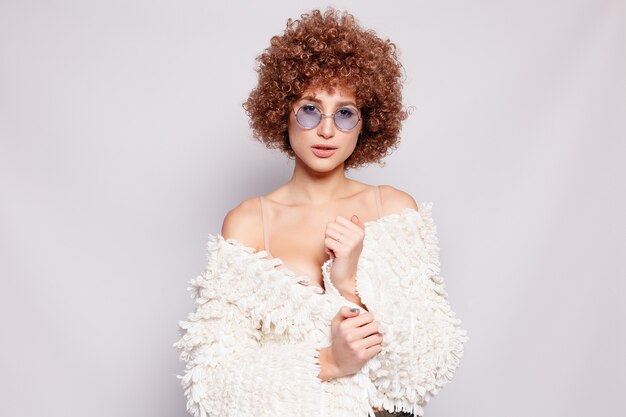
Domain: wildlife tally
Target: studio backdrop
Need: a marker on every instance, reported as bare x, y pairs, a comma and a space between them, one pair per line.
123, 143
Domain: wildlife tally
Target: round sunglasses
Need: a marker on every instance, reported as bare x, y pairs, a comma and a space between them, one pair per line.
345, 118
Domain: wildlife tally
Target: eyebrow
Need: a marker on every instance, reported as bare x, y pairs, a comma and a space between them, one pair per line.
317, 100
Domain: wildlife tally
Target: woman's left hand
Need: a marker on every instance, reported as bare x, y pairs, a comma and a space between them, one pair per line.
344, 241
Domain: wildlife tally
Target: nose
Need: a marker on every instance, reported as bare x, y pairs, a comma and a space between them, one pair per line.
326, 128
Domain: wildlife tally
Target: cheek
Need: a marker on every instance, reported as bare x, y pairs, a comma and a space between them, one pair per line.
297, 139
292, 132
353, 148
349, 147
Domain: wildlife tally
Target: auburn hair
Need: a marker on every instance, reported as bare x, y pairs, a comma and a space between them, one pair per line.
329, 50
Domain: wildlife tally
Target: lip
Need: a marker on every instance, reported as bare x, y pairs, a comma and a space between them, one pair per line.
323, 151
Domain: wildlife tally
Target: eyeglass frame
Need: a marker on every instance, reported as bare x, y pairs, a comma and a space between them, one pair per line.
322, 115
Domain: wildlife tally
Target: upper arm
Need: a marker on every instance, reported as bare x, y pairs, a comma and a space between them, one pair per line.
395, 200
244, 224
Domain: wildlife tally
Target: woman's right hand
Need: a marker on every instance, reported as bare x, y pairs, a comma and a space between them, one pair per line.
354, 341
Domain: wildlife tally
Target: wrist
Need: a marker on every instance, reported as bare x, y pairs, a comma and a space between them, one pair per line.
328, 367
347, 287
348, 291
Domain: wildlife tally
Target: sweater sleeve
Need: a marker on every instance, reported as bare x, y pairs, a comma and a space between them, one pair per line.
398, 279
231, 369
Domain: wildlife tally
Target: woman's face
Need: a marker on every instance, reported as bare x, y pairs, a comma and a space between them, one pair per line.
325, 146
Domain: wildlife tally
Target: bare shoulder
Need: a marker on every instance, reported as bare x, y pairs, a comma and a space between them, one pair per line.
244, 223
395, 200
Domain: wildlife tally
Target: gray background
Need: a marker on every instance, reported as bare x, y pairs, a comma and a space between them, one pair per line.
124, 143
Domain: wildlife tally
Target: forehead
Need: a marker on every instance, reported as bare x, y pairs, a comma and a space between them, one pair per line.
330, 95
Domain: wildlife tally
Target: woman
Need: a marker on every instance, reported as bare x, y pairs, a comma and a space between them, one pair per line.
322, 298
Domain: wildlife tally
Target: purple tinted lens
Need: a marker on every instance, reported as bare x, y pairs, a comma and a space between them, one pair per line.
308, 116
346, 118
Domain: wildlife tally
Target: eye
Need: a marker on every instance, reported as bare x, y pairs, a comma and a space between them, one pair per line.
310, 109
346, 113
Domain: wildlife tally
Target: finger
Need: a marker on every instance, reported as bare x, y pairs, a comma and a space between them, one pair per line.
340, 248
373, 350
333, 233
340, 229
360, 320
349, 224
348, 311
332, 244
366, 330
355, 219
344, 312
341, 238
369, 341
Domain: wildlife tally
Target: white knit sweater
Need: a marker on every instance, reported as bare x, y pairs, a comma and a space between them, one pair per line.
250, 346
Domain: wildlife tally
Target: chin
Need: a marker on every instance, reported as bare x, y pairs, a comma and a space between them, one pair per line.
322, 165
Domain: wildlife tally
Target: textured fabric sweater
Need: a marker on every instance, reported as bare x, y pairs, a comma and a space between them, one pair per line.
250, 345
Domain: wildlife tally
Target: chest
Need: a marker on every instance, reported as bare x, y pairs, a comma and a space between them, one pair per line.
300, 245
297, 235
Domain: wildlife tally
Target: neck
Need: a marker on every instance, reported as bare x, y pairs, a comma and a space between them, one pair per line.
309, 187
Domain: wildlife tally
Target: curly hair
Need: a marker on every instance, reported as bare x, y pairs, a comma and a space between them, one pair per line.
329, 50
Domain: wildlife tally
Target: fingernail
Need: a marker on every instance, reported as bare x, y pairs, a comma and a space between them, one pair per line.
354, 215
354, 310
